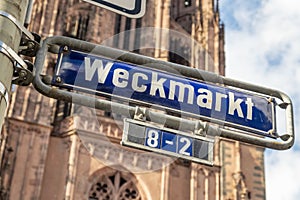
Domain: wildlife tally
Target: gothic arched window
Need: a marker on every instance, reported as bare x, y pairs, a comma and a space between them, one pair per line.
114, 186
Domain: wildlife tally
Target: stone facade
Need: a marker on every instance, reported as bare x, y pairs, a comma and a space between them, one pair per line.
56, 150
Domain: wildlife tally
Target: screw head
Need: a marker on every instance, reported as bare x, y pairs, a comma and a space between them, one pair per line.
23, 74
65, 49
58, 79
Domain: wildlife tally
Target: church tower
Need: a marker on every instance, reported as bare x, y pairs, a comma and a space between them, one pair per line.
53, 150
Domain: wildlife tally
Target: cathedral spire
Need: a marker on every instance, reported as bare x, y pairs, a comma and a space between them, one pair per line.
217, 6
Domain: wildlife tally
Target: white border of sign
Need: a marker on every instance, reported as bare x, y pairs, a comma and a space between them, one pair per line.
130, 8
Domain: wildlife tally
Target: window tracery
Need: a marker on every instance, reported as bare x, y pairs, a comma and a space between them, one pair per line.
114, 187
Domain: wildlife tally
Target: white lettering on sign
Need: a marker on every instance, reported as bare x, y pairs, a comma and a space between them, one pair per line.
97, 65
157, 85
235, 104
204, 98
249, 108
135, 80
219, 97
169, 89
120, 78
181, 91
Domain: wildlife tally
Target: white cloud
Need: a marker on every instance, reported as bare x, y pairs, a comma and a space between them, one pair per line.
263, 47
283, 175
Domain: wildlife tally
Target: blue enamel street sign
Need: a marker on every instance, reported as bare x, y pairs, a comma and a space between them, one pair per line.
146, 136
222, 105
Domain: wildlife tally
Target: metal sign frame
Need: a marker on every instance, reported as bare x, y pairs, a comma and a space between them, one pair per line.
53, 44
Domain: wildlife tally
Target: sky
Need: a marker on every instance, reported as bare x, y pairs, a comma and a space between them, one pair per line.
263, 47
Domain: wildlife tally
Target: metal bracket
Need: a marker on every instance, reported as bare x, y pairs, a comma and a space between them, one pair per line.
23, 75
29, 44
29, 47
4, 93
17, 23
201, 128
140, 114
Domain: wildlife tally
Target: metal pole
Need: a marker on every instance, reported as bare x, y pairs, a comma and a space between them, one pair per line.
28, 13
10, 34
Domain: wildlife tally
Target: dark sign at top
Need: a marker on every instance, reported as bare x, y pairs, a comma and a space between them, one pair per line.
129, 8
